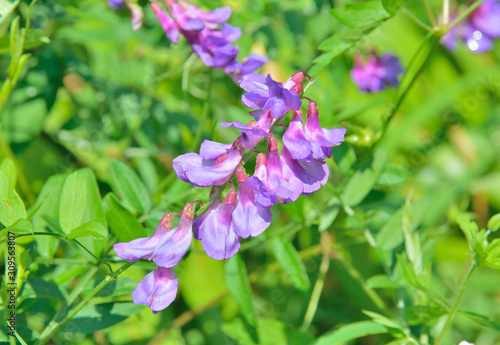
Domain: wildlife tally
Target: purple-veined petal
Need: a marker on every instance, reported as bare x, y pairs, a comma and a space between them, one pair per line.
255, 87
253, 100
276, 105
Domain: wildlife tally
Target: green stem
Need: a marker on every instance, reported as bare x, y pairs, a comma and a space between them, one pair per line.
464, 14
402, 91
95, 257
204, 114
430, 13
316, 293
416, 19
49, 333
354, 273
454, 308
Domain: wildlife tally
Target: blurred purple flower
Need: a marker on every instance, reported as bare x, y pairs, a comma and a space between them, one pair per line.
246, 70
215, 228
157, 289
478, 30
214, 165
270, 96
377, 73
167, 23
116, 4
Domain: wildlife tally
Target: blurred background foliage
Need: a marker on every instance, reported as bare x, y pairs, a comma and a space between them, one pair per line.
382, 235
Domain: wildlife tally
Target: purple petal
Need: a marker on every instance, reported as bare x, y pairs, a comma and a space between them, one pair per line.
200, 172
251, 134
253, 100
197, 228
213, 149
249, 218
255, 87
116, 4
219, 239
277, 107
224, 55
295, 140
313, 174
142, 248
253, 62
184, 21
157, 289
167, 23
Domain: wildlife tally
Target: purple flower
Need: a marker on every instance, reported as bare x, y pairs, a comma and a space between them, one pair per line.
157, 289
215, 228
254, 131
478, 30
246, 70
313, 141
137, 14
116, 4
276, 182
211, 19
270, 96
166, 247
214, 165
312, 174
249, 218
167, 23
142, 248
377, 73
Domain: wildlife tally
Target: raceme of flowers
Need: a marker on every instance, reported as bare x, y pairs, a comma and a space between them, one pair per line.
478, 30
280, 176
377, 73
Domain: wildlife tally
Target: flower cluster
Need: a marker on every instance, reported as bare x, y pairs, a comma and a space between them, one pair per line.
279, 177
377, 73
210, 37
478, 30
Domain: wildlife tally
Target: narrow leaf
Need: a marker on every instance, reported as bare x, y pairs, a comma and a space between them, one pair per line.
292, 265
9, 168
349, 332
123, 223
130, 187
239, 287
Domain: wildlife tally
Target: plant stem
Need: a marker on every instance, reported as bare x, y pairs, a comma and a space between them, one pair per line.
454, 308
446, 12
416, 19
204, 114
316, 293
464, 14
50, 332
430, 13
95, 257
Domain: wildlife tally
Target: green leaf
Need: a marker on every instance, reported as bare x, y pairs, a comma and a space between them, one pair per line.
362, 182
11, 205
39, 288
48, 207
6, 10
20, 226
93, 211
34, 38
381, 281
9, 168
94, 317
73, 202
123, 223
92, 228
494, 223
393, 326
349, 332
239, 287
482, 320
392, 6
330, 213
236, 330
130, 187
360, 14
292, 265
